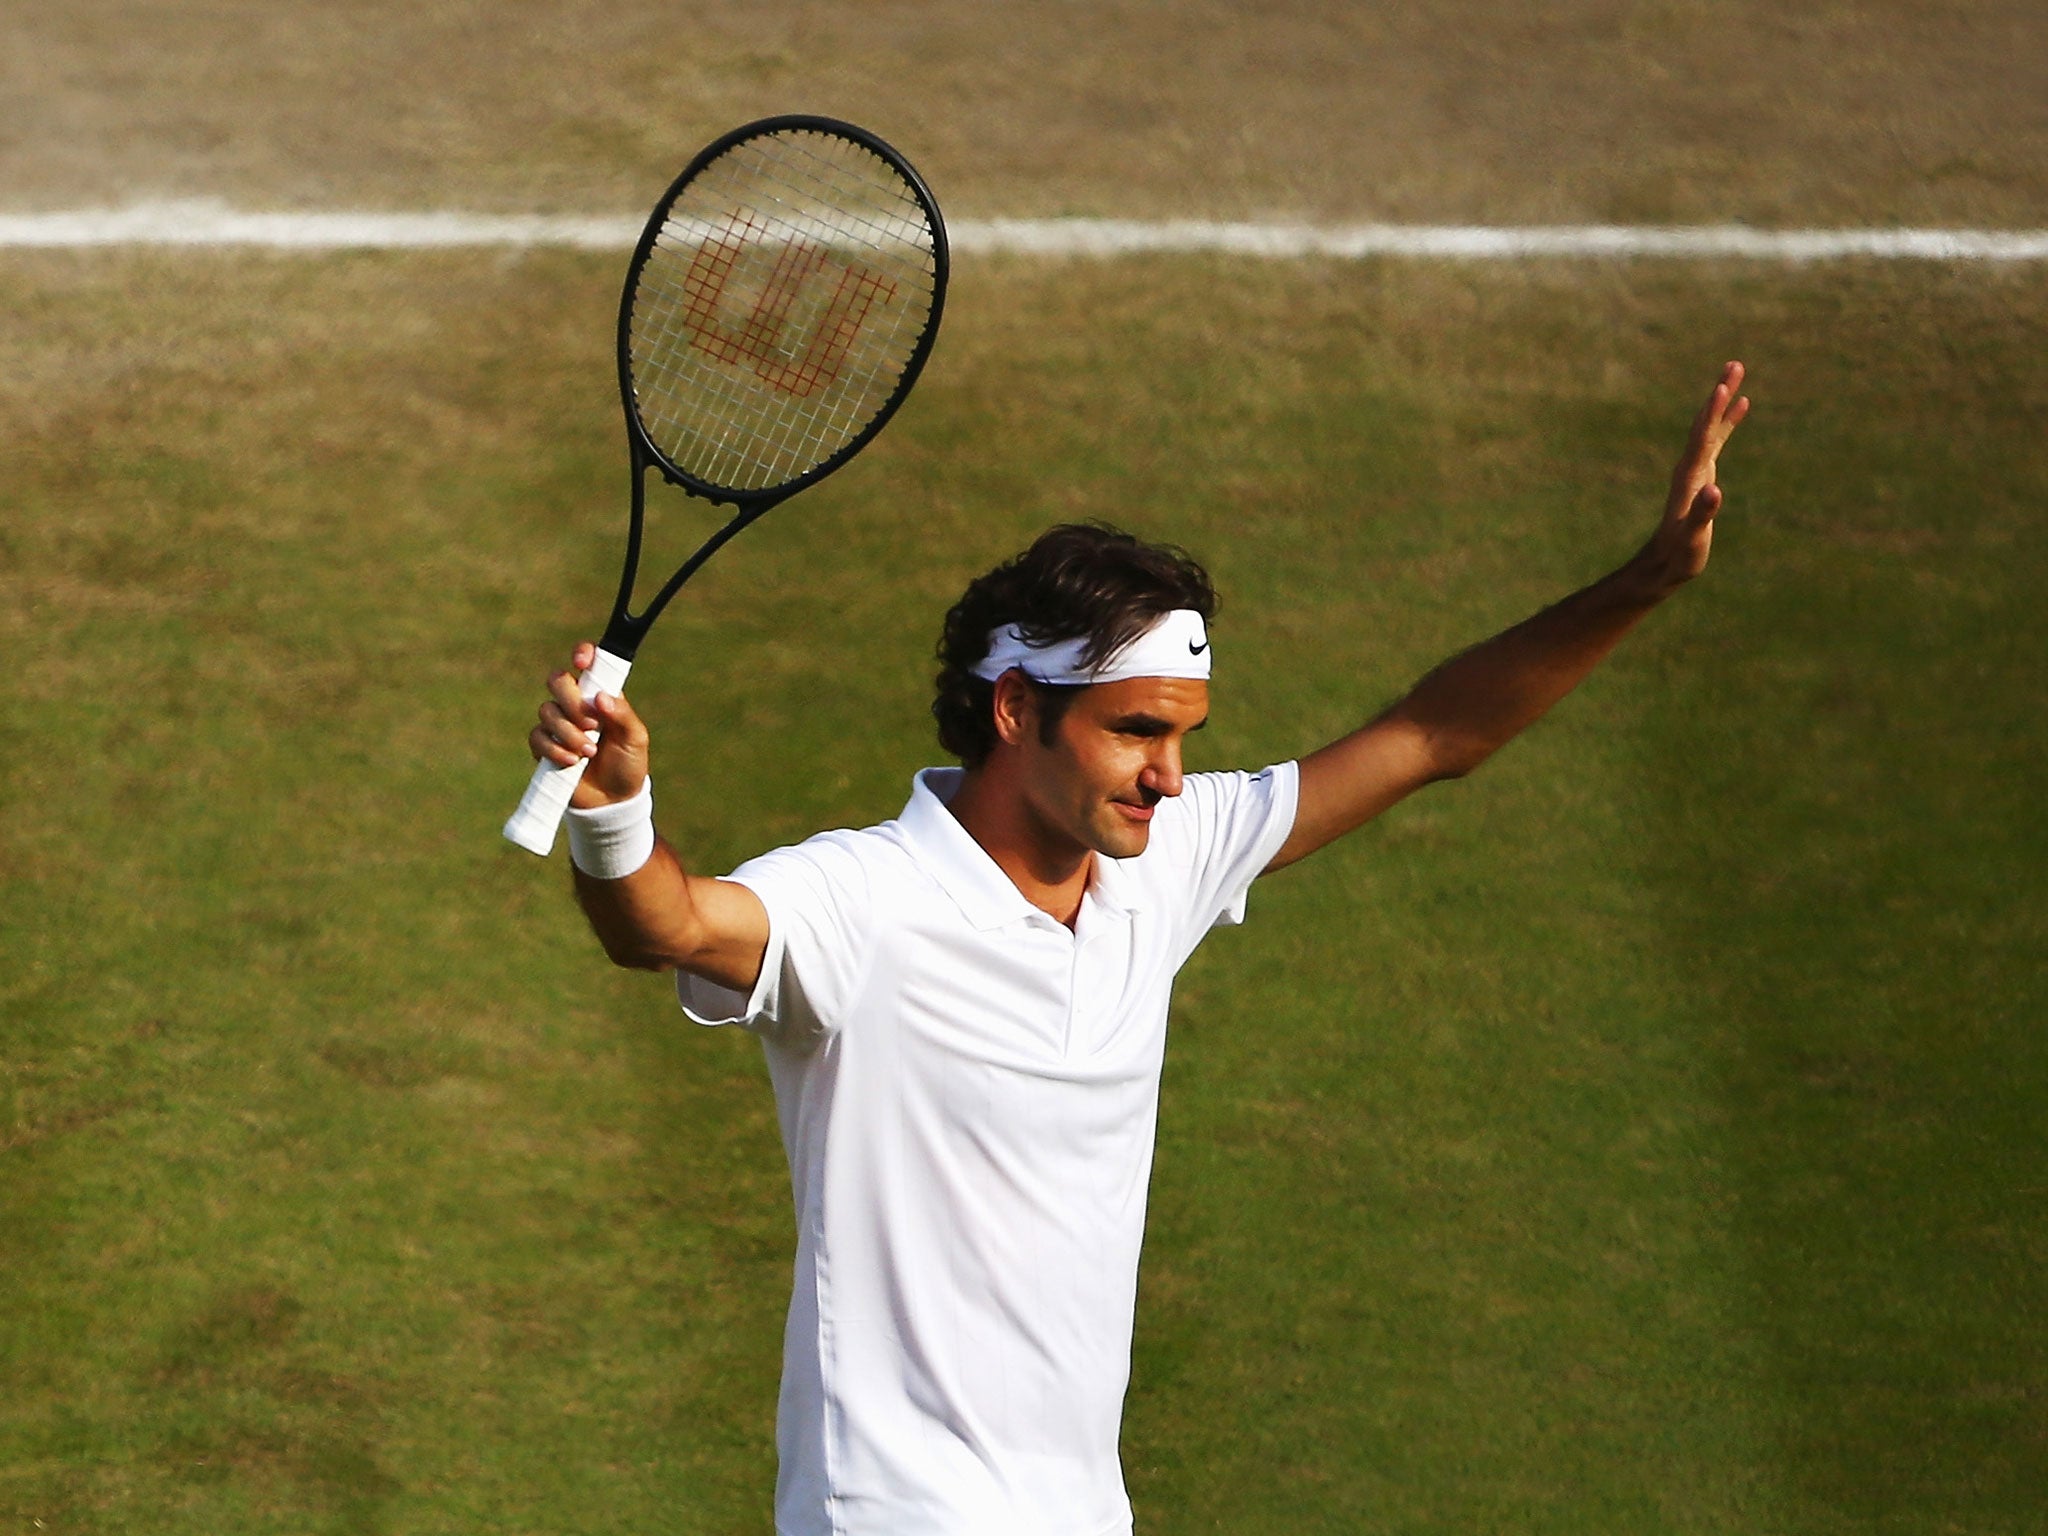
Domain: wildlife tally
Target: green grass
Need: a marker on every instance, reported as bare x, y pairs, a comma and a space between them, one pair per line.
1640, 1136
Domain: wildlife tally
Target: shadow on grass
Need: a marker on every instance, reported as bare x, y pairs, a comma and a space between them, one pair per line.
234, 1401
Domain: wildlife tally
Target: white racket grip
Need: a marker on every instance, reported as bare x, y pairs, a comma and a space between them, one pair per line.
539, 817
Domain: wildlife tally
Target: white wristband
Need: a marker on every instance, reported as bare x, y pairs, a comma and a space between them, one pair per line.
609, 842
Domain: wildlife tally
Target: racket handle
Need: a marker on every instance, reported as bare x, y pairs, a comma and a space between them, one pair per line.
534, 824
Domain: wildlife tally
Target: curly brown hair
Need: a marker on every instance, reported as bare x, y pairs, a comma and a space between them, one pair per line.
1077, 580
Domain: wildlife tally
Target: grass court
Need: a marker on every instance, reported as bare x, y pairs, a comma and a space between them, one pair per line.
1643, 1135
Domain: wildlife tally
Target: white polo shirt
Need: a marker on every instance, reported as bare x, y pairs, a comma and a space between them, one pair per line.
968, 1091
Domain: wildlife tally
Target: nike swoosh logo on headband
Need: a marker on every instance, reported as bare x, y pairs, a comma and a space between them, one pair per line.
1196, 650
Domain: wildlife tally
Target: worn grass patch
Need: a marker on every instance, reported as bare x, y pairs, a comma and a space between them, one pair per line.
1630, 111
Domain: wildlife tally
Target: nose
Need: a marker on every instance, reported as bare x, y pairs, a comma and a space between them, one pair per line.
1162, 775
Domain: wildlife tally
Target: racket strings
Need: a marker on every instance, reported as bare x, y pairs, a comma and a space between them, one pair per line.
802, 430
784, 297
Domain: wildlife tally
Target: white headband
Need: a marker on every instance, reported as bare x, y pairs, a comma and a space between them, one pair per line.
1176, 646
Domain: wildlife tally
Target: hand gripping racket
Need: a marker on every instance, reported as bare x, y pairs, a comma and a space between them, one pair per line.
780, 304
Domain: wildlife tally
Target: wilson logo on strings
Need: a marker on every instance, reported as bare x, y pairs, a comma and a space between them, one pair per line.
793, 310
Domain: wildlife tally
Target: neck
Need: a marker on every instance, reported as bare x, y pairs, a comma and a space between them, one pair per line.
1050, 870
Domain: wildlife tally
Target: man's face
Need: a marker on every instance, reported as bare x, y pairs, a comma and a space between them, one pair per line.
1114, 756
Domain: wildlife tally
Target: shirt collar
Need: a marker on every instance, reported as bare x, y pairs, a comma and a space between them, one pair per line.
987, 896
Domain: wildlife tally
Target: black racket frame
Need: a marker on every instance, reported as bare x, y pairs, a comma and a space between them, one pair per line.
625, 629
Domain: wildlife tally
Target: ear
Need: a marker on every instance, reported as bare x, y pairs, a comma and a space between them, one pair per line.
1015, 709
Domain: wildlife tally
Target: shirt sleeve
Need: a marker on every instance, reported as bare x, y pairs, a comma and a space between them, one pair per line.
1229, 826
817, 902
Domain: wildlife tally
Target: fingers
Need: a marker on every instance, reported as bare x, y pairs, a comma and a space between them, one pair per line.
1718, 418
561, 738
1724, 409
602, 732
566, 693
1694, 497
567, 720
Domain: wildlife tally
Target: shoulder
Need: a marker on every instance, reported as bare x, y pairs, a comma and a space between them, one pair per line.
1212, 805
1215, 838
844, 865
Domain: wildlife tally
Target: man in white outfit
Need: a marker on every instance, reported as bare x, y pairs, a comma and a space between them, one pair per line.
964, 1009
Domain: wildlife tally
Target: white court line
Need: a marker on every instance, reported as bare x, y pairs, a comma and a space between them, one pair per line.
215, 224
209, 224
1105, 237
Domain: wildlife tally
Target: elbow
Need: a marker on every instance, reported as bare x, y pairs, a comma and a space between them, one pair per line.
634, 949
1454, 754
1424, 747
634, 936
635, 958
673, 949
1460, 756
1458, 765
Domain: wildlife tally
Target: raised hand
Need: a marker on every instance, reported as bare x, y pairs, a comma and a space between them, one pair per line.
1678, 550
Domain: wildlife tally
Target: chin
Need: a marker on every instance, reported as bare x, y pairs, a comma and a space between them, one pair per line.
1124, 842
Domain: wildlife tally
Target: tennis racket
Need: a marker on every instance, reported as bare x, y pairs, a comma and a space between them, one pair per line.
781, 302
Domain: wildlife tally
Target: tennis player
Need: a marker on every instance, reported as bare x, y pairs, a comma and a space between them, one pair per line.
964, 1009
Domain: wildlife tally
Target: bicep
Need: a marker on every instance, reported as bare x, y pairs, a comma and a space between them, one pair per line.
1350, 781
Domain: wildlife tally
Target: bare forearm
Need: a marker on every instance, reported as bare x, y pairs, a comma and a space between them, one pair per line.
1472, 705
1479, 700
660, 918
645, 920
